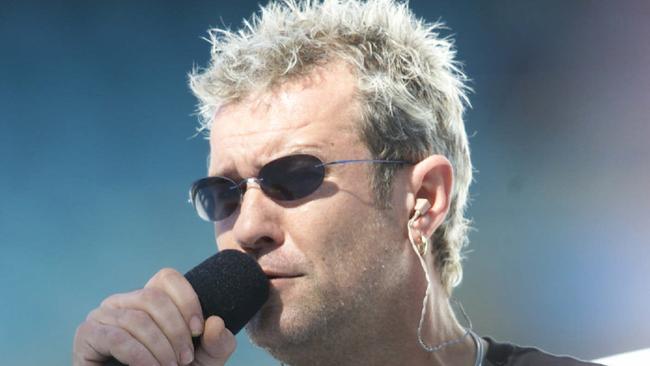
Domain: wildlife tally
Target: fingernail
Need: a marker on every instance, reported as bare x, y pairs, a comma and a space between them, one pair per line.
196, 325
187, 356
174, 363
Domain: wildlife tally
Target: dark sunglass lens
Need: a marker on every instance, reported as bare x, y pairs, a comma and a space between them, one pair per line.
292, 177
215, 198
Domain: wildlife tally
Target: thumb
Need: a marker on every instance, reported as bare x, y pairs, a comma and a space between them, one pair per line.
217, 344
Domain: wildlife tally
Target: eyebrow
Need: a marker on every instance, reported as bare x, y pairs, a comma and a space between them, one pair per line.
230, 171
315, 148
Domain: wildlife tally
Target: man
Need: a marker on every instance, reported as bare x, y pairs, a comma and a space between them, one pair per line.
348, 118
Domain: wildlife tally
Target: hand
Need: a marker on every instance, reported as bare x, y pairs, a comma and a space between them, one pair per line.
153, 326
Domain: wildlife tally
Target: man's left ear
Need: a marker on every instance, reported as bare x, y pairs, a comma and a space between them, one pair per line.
432, 180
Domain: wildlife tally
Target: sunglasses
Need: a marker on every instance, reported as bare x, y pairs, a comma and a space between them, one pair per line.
288, 178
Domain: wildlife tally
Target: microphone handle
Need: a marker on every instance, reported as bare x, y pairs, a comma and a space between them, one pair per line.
113, 362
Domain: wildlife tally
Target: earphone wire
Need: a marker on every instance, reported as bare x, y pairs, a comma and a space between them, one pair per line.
468, 329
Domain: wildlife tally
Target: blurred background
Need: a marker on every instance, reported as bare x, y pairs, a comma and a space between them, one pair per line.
97, 153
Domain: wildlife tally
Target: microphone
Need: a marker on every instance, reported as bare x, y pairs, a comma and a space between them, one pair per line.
229, 284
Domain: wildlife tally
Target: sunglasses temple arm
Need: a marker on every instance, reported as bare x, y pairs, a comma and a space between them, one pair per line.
338, 162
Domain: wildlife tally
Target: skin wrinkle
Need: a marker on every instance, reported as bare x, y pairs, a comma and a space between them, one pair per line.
222, 168
260, 104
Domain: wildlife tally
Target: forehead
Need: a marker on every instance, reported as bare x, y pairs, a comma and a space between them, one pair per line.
317, 114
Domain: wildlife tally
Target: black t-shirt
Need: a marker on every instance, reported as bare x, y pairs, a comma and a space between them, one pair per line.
506, 354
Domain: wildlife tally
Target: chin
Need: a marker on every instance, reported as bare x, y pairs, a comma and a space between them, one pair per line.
280, 329
298, 335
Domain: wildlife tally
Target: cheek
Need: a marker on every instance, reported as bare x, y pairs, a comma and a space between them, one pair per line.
336, 242
223, 236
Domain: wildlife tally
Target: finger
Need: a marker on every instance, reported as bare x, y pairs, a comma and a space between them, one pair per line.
183, 295
84, 353
217, 344
98, 342
141, 327
164, 312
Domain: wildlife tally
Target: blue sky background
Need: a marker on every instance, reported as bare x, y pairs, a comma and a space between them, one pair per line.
97, 154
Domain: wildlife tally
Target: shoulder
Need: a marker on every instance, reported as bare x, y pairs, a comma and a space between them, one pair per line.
508, 354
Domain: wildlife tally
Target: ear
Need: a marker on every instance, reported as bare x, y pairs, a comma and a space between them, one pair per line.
431, 180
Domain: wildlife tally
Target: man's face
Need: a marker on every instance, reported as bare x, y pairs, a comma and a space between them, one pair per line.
337, 256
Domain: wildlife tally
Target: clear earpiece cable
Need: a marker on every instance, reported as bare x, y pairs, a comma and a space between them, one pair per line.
468, 329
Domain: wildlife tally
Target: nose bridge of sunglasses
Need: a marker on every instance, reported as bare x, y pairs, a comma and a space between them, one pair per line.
246, 183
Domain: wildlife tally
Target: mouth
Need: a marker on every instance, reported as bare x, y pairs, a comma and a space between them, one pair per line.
274, 276
281, 277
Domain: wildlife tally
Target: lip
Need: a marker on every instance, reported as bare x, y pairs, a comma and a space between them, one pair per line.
276, 275
272, 275
282, 283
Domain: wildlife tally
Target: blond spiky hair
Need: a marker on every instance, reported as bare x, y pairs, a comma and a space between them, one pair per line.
411, 89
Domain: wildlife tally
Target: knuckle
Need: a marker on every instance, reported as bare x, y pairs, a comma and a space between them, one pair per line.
94, 314
83, 330
140, 318
167, 273
110, 301
152, 294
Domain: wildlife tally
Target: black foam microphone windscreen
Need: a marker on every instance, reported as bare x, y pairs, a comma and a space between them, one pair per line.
231, 285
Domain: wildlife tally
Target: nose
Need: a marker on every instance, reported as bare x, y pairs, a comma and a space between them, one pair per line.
257, 228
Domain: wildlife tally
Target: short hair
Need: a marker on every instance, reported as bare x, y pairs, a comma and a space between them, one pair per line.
411, 89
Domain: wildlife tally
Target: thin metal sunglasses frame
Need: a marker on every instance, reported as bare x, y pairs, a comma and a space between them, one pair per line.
257, 180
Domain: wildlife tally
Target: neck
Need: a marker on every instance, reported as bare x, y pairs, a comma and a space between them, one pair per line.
451, 343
